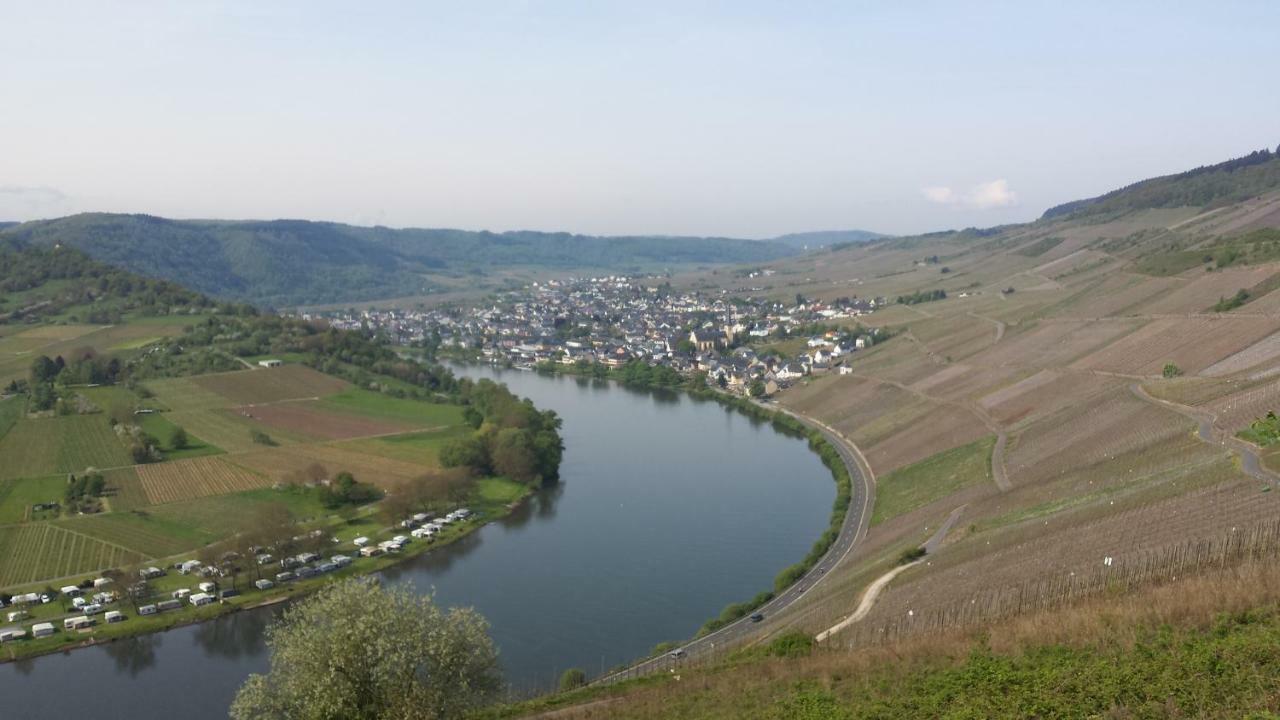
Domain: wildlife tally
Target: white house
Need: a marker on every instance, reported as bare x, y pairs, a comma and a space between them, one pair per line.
269, 363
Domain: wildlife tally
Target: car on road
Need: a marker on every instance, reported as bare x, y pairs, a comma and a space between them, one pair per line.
757, 617
676, 654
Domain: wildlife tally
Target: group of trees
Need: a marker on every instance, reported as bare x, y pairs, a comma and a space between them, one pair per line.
344, 489
511, 437
82, 491
922, 296
47, 374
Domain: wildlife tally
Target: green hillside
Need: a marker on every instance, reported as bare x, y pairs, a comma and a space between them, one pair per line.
294, 262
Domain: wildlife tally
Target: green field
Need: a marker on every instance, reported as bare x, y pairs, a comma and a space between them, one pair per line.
915, 486
46, 446
223, 515
498, 491
141, 531
39, 551
159, 427
10, 411
374, 404
17, 496
182, 394
415, 447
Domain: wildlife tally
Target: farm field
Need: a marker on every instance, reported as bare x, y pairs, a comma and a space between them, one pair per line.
194, 478
124, 490
45, 446
267, 385
1264, 350
278, 464
413, 412
416, 447
921, 483
159, 426
228, 514
230, 430
1191, 343
142, 532
312, 418
17, 496
38, 551
183, 394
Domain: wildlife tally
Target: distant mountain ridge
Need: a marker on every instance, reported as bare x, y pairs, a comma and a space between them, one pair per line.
295, 262
827, 238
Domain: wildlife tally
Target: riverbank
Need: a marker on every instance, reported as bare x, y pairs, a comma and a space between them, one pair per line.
491, 499
663, 379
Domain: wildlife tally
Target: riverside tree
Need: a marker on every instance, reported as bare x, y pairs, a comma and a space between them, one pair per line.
362, 651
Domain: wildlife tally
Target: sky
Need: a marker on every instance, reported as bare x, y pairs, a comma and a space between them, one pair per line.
744, 119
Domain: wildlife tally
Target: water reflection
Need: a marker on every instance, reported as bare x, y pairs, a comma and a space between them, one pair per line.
237, 635
133, 655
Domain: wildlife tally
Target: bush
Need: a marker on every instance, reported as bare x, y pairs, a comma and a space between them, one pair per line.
572, 679
1171, 370
909, 556
790, 645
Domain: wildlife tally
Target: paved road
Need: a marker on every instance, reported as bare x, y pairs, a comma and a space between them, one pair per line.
856, 521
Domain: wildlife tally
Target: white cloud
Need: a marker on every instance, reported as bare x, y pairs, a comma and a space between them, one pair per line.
992, 195
983, 196
940, 195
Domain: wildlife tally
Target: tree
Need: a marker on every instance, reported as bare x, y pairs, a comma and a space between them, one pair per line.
178, 439
756, 388
1171, 370
362, 651
468, 451
572, 679
513, 455
43, 370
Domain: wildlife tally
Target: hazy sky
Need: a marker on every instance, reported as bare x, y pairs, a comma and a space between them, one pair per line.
735, 118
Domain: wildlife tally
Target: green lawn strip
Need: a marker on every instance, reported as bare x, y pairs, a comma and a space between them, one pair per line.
919, 484
158, 426
17, 496
375, 404
10, 410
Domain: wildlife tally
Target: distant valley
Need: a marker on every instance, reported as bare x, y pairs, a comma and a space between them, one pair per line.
283, 263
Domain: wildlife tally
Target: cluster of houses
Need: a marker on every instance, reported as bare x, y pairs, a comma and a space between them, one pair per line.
615, 320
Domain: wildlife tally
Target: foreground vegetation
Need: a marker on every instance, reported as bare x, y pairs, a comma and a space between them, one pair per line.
359, 650
1197, 647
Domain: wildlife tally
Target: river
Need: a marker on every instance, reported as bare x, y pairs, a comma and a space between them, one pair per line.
668, 509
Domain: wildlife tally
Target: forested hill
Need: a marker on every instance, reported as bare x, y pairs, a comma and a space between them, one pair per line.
1208, 186
293, 262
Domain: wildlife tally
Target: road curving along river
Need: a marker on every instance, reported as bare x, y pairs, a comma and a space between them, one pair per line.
669, 508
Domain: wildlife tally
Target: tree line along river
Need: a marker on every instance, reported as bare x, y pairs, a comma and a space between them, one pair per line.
669, 508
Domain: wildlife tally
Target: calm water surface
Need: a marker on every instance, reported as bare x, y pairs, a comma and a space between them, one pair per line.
669, 508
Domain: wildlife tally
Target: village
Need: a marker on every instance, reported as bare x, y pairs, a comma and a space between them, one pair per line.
747, 346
